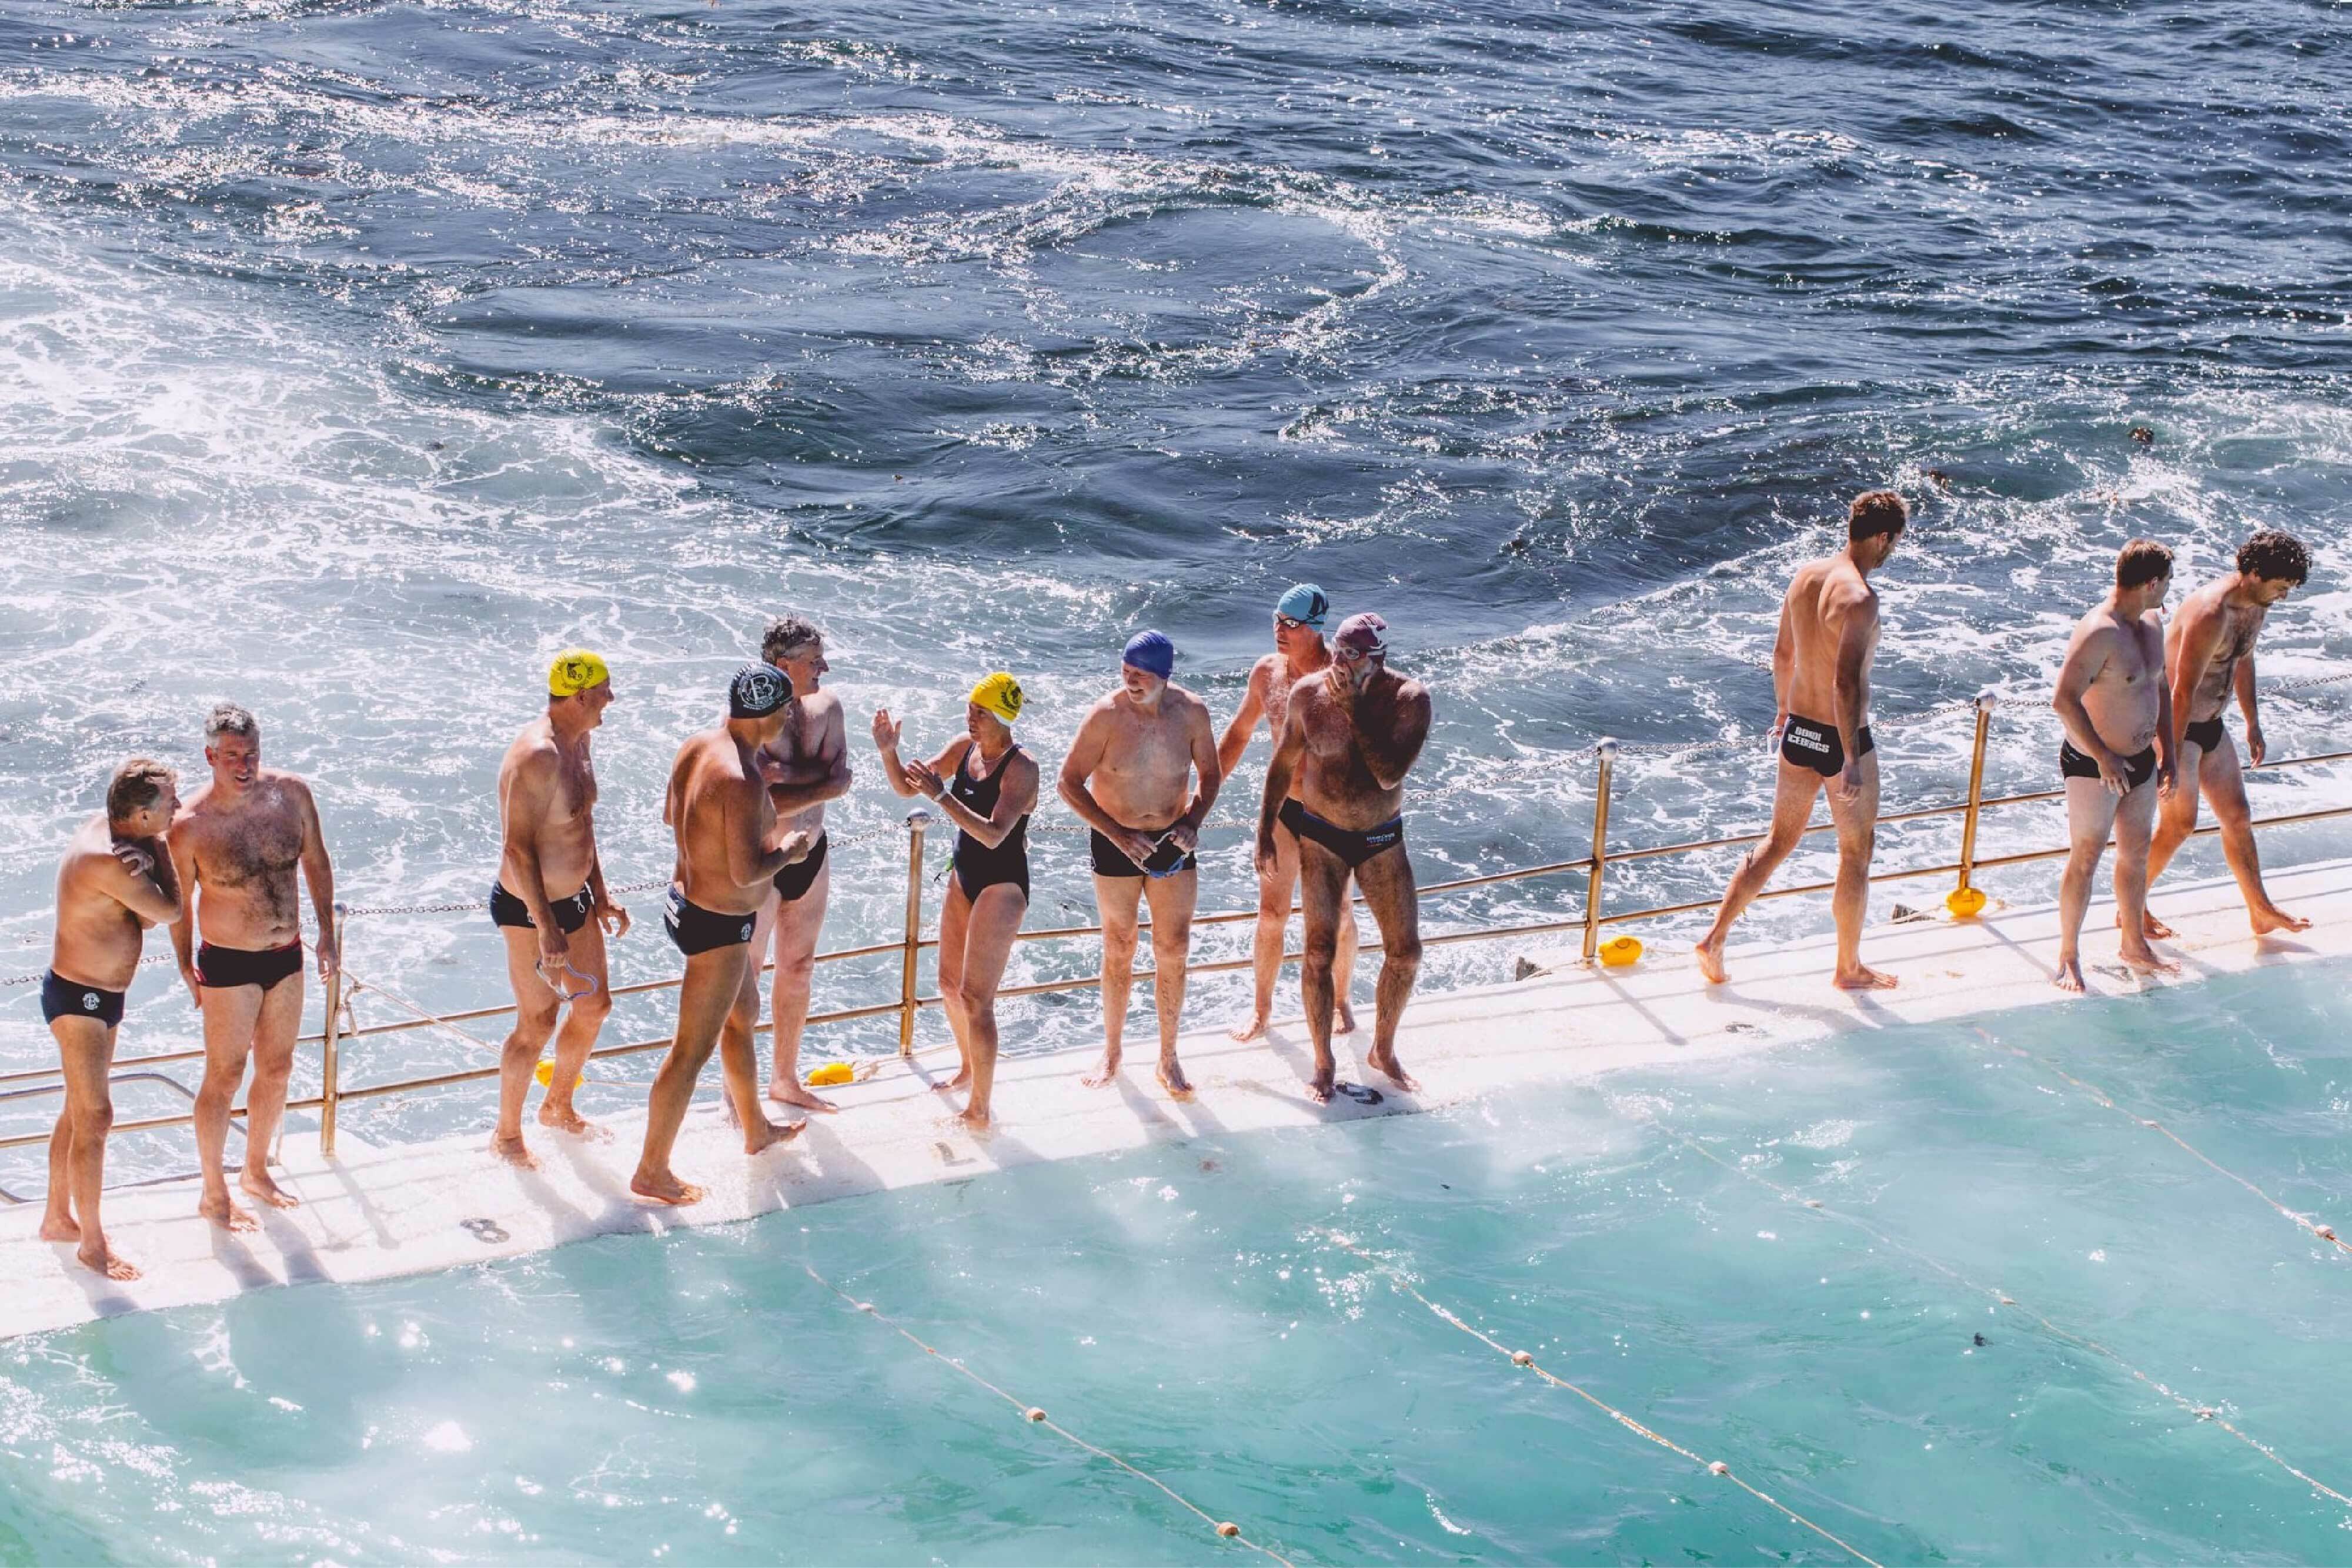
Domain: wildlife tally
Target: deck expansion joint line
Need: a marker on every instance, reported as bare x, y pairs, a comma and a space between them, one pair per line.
1525, 1360
1036, 1415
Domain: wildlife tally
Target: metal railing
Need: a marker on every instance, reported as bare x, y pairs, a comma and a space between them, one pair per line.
340, 1028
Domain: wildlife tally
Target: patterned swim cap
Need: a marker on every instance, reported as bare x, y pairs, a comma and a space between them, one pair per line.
574, 670
1000, 694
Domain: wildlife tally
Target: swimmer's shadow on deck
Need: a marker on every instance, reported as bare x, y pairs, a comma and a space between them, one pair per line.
1370, 1092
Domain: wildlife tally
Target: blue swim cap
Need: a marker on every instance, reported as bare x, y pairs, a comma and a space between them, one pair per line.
1305, 603
1151, 653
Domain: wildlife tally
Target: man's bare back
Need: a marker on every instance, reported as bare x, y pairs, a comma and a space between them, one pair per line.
1823, 598
717, 803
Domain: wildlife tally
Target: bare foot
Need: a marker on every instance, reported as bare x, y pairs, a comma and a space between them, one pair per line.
258, 1184
97, 1257
664, 1187
768, 1135
1343, 1018
1394, 1070
962, 1077
1710, 962
2069, 976
1172, 1078
792, 1091
1865, 979
973, 1122
2141, 959
226, 1214
514, 1152
60, 1228
1319, 1088
2155, 930
564, 1119
2273, 918
1105, 1071
1250, 1030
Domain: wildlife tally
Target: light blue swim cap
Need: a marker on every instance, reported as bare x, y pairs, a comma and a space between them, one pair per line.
1151, 653
1305, 603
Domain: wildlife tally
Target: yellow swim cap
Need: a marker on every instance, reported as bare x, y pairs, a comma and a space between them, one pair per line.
574, 670
1000, 694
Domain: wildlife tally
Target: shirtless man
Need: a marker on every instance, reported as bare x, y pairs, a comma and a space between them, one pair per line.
549, 901
1821, 685
729, 849
237, 843
1300, 651
2118, 752
2210, 659
1128, 776
807, 765
116, 880
1336, 782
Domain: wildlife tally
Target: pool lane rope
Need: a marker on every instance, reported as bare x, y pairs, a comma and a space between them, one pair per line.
2324, 1232
1036, 1415
1527, 1362
2205, 1413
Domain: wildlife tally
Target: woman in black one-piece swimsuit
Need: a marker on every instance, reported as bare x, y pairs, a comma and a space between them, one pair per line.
987, 786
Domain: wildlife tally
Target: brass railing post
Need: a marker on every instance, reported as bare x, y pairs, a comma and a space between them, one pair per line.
1985, 701
918, 821
1605, 752
330, 1037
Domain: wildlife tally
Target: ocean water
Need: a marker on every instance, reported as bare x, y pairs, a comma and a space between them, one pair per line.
355, 356
701, 1397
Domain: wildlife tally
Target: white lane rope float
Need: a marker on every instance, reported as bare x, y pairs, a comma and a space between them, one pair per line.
1036, 1415
2204, 1413
2324, 1232
1526, 1361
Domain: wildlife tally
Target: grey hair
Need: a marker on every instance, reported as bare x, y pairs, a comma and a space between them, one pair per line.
787, 636
228, 718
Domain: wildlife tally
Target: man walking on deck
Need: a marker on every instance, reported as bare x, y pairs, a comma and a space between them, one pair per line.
239, 843
730, 848
1300, 651
2209, 660
2117, 757
1821, 686
115, 881
807, 765
1128, 775
1336, 782
549, 903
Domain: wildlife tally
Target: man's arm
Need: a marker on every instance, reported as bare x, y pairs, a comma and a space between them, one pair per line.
523, 797
1185, 832
1389, 755
793, 787
2087, 654
750, 860
2168, 737
1289, 746
152, 894
1855, 625
1784, 665
2243, 683
319, 871
1236, 738
177, 840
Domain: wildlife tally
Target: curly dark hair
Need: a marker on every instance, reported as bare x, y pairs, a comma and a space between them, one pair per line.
2276, 556
787, 636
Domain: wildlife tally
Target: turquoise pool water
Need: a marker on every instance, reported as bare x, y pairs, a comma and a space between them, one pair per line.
700, 1398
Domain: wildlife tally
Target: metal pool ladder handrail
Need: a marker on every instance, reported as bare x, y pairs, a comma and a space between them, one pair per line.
338, 1029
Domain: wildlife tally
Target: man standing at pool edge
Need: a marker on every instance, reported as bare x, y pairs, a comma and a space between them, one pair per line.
1352, 734
807, 765
2210, 659
115, 881
729, 849
549, 903
239, 844
1125, 777
2117, 757
1821, 687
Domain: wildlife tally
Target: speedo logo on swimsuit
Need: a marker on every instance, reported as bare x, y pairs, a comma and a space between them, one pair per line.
90, 1001
746, 931
1806, 740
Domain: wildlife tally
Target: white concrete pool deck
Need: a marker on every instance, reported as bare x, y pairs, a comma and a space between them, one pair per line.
375, 1212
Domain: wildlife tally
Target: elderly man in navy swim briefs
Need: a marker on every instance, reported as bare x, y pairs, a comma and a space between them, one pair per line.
730, 846
1337, 781
1129, 777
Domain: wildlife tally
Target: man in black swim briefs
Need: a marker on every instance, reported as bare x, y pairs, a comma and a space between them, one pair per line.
1821, 687
551, 882
807, 765
240, 843
1130, 776
115, 881
1350, 736
2209, 661
2117, 758
730, 848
